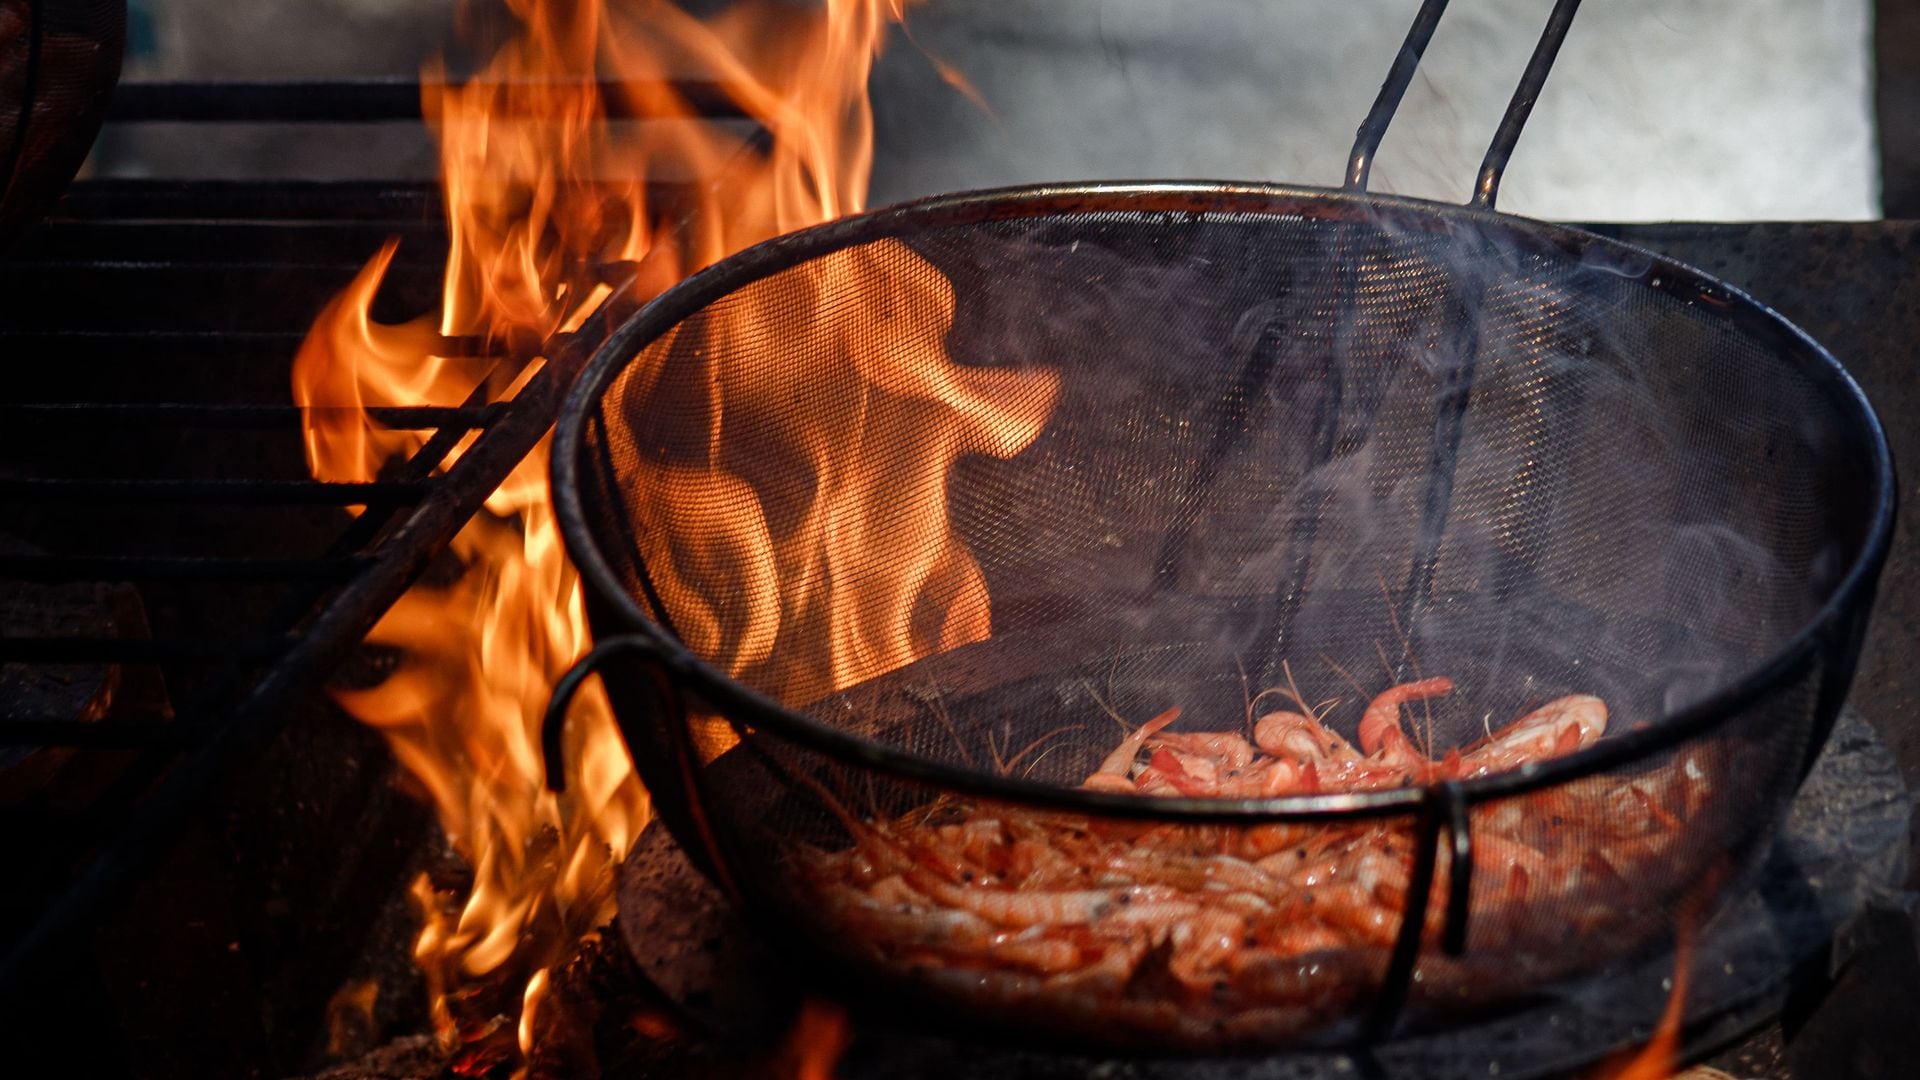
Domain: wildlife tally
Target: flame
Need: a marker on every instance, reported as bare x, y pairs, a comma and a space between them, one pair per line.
544, 192
1657, 1060
815, 1043
350, 1016
867, 576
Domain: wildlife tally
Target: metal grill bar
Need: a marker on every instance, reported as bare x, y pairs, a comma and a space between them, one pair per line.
59, 568
115, 734
204, 342
388, 202
361, 101
277, 242
326, 639
207, 344
231, 200
225, 492
91, 650
185, 414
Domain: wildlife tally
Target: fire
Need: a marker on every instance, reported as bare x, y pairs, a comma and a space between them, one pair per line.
875, 524
350, 1015
1657, 1060
815, 1043
543, 191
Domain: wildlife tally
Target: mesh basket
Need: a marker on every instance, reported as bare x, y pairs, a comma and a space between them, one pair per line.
916, 515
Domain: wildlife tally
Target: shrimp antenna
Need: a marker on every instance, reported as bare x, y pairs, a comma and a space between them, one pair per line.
1342, 672
1246, 693
1037, 758
1293, 688
1008, 767
938, 706
1400, 632
1276, 691
993, 748
1406, 652
1428, 738
1104, 707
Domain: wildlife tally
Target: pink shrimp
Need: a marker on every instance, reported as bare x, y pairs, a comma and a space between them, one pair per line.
1291, 936
1561, 726
1029, 949
1065, 907
1508, 870
1202, 943
1301, 738
1380, 733
1355, 911
1112, 775
1222, 750
1193, 932
1265, 779
1170, 768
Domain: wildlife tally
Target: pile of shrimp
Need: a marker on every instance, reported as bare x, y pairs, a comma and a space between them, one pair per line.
1210, 936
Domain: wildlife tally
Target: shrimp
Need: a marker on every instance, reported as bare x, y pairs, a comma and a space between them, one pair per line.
1112, 773
1265, 780
1171, 769
1201, 943
1559, 727
1191, 933
1063, 907
1301, 738
1222, 750
1508, 869
1380, 733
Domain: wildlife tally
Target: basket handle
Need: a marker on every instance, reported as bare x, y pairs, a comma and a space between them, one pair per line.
1442, 824
553, 725
1486, 186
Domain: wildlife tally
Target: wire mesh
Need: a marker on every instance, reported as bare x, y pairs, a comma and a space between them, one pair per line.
984, 489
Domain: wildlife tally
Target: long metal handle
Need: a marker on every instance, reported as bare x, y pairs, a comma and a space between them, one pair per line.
1486, 187
1367, 140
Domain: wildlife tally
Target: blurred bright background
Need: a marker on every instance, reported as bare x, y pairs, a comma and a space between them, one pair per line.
1707, 109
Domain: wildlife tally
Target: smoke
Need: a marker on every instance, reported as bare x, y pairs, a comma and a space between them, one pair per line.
1634, 507
1359, 451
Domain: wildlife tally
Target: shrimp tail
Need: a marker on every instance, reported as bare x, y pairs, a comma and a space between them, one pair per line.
1380, 726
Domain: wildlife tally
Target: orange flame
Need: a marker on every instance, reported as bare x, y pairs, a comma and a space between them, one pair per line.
350, 1016
815, 1044
543, 191
1659, 1058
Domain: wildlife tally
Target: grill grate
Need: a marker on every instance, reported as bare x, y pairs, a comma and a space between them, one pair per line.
149, 444
193, 475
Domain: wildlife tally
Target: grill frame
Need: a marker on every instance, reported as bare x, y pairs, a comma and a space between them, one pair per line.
328, 600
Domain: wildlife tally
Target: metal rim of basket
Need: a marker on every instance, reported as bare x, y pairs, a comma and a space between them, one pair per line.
1832, 628
1439, 812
